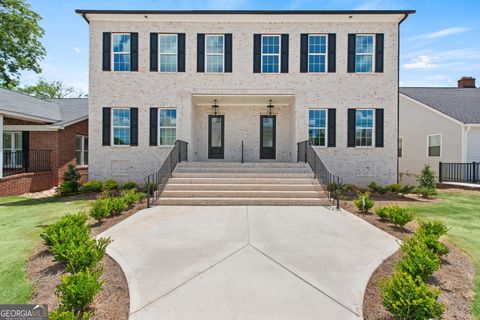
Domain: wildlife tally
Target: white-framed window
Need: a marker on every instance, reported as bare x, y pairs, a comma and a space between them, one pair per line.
167, 122
317, 53
317, 127
364, 127
121, 51
271, 53
214, 53
168, 46
400, 147
364, 53
81, 150
434, 145
121, 126
12, 149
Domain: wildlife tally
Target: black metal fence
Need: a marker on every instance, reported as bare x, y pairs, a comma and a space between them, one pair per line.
459, 172
329, 181
155, 182
21, 161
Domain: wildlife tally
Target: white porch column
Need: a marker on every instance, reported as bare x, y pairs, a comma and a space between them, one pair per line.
1, 145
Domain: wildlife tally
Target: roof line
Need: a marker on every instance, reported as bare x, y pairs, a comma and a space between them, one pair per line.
273, 12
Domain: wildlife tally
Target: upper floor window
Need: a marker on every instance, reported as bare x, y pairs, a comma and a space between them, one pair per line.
121, 126
168, 52
317, 53
214, 53
364, 53
270, 53
364, 127
317, 127
434, 145
168, 126
121, 51
81, 150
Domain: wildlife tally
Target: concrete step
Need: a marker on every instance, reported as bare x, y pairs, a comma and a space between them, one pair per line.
244, 186
243, 201
241, 180
241, 175
240, 169
260, 164
240, 194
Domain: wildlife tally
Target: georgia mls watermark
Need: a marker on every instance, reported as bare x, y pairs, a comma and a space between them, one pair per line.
23, 312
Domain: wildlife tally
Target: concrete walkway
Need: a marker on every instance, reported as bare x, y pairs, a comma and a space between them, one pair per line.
247, 262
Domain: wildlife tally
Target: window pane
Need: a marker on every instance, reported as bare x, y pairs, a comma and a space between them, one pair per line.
270, 44
434, 140
168, 136
121, 42
317, 44
7, 141
316, 63
121, 62
18, 140
85, 158
78, 143
168, 117
78, 158
168, 63
168, 43
270, 64
85, 143
121, 136
121, 117
214, 44
364, 44
434, 151
363, 63
215, 63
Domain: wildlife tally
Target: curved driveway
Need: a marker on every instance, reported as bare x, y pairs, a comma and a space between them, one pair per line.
247, 262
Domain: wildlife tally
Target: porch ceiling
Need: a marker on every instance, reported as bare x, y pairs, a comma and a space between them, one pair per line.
203, 100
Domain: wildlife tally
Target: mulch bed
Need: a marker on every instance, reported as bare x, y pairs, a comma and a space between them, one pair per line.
112, 302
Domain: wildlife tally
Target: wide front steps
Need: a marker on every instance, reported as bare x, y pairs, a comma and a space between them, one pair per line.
252, 183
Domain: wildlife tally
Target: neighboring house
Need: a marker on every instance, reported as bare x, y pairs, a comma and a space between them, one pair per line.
40, 137
257, 81
438, 125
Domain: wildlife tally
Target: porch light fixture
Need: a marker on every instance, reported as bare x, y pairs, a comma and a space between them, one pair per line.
270, 107
215, 107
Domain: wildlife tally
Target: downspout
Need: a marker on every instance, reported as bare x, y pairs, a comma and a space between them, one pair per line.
465, 130
1, 146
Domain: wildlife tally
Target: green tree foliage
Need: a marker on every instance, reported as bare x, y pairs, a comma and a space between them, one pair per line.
49, 90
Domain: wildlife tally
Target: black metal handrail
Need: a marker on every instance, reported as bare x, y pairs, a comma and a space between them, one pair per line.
459, 172
155, 182
329, 181
21, 161
242, 151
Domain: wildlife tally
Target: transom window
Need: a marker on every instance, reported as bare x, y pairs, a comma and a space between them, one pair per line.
364, 45
317, 126
317, 53
168, 52
81, 150
214, 53
270, 53
364, 128
168, 126
434, 145
121, 126
121, 51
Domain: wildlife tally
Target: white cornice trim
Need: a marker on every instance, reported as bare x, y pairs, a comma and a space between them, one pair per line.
28, 127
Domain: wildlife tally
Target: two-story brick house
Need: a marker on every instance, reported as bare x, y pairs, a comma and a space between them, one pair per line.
262, 79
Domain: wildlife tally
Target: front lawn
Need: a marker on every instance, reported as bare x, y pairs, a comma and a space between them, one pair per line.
21, 222
460, 212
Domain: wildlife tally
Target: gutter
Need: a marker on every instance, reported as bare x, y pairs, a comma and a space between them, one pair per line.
84, 16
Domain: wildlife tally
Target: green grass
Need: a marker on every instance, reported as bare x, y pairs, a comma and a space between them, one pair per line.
21, 222
460, 212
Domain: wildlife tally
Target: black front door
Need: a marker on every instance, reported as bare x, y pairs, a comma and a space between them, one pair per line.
267, 137
216, 128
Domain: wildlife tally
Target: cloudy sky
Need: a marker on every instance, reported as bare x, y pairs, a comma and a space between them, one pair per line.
439, 44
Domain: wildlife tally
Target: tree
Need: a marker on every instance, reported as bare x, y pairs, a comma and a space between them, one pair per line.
20, 47
55, 89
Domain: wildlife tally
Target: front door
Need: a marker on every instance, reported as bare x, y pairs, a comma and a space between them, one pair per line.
216, 128
267, 137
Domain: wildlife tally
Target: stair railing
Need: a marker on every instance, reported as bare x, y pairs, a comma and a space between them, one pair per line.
155, 182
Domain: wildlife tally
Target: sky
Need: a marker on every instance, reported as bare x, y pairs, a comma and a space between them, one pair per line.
438, 45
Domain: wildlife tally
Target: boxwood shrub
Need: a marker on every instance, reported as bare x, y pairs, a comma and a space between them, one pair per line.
109, 185
418, 260
68, 226
76, 291
62, 314
91, 186
364, 202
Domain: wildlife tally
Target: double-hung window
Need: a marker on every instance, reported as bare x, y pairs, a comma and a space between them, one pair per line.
168, 126
81, 150
317, 53
121, 126
168, 52
364, 53
364, 127
317, 126
214, 53
121, 51
434, 145
270, 53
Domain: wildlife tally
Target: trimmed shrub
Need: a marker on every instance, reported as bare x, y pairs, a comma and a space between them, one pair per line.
426, 178
131, 196
407, 297
70, 181
128, 185
418, 260
117, 205
373, 186
109, 185
76, 291
65, 228
435, 228
364, 202
425, 192
382, 213
83, 255
395, 187
99, 210
399, 216
61, 314
91, 186
406, 189
432, 243
150, 187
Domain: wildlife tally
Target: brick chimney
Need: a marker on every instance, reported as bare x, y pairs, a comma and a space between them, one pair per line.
466, 82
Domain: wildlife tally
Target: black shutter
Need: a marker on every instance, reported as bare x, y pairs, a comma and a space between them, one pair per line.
153, 51
106, 51
134, 126
134, 51
106, 127
284, 65
332, 132
351, 52
26, 149
379, 52
257, 53
332, 48
200, 52
153, 126
351, 128
181, 52
379, 128
228, 52
304, 52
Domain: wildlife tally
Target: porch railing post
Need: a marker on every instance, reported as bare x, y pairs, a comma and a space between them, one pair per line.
338, 193
440, 179
148, 191
474, 171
